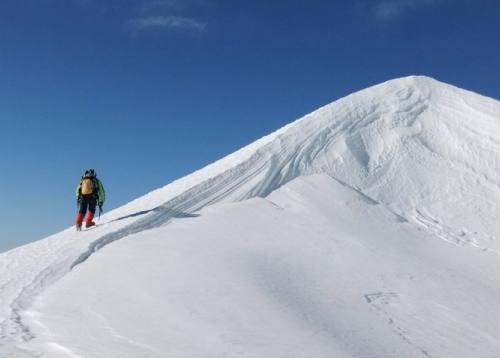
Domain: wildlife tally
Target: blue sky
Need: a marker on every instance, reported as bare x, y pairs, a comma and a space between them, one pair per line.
146, 91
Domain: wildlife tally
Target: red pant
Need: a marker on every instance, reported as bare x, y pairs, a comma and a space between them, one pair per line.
86, 202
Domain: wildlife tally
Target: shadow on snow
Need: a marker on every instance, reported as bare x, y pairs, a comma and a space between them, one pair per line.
157, 217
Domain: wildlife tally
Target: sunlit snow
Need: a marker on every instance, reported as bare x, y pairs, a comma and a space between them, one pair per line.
365, 229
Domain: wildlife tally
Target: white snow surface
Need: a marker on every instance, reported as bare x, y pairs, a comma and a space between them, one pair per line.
368, 228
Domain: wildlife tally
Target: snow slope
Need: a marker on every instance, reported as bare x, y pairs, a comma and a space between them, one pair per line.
353, 260
314, 270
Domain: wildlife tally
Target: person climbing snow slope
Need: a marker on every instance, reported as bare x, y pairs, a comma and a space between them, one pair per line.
90, 193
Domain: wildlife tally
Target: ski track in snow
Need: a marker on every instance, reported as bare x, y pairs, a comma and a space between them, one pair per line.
355, 140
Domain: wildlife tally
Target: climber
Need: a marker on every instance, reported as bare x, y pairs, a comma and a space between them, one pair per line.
90, 193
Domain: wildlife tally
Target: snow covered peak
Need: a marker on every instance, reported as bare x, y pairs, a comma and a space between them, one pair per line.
425, 151
414, 144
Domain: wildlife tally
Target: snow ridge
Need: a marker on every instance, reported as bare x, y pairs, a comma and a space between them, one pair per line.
370, 139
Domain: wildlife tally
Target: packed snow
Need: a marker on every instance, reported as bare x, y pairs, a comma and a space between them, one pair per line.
365, 229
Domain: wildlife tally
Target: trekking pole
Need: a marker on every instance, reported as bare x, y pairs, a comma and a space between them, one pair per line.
100, 212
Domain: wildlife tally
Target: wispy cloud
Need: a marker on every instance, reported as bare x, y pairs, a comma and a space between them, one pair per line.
167, 23
389, 9
159, 16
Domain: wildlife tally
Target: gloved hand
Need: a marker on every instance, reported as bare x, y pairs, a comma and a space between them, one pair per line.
100, 205
78, 201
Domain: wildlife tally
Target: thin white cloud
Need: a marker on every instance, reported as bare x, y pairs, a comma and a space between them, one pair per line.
167, 23
389, 9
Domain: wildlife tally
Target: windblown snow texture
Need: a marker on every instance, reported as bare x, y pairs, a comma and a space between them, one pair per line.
417, 151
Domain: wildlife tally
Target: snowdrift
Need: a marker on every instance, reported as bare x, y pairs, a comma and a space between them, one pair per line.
372, 232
